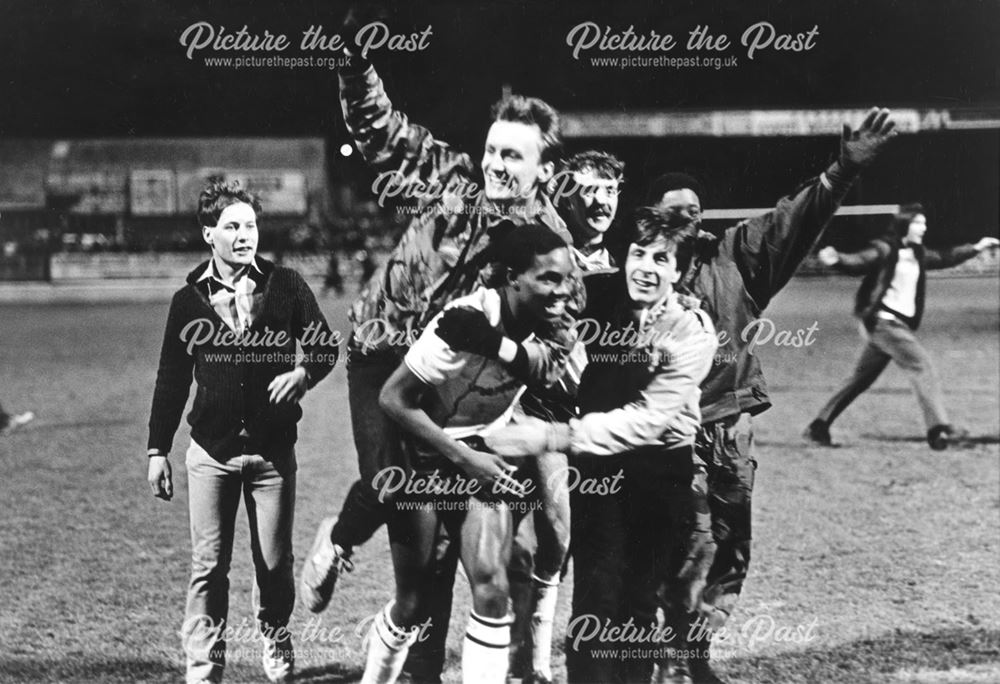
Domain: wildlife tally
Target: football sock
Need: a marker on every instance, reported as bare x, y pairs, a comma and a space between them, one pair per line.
387, 649
546, 592
486, 649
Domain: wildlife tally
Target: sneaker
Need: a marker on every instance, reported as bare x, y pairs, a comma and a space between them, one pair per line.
324, 564
17, 420
818, 433
278, 659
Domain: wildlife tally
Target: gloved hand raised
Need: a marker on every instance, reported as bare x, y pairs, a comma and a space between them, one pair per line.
859, 148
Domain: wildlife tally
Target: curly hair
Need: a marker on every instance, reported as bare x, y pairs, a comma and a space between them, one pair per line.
218, 195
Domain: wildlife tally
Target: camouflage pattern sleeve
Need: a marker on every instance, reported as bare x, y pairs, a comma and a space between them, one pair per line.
392, 144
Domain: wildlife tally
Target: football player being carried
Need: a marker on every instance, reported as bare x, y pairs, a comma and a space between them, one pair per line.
585, 193
446, 402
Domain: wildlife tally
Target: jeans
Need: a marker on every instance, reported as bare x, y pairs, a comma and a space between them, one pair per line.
892, 340
267, 483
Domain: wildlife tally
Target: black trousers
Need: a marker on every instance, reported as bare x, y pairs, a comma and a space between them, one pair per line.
628, 549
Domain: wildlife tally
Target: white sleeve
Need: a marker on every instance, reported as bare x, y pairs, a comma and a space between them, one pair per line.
669, 403
431, 359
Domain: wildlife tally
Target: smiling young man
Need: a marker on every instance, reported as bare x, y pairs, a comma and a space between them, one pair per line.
639, 415
446, 401
439, 258
234, 325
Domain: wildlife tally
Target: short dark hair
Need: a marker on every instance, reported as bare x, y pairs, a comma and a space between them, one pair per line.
533, 111
674, 180
603, 165
514, 248
678, 229
218, 195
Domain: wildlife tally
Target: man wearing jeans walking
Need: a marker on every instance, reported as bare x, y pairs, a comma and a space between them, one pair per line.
890, 304
234, 325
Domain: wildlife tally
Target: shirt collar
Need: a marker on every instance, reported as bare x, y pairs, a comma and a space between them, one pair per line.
211, 273
599, 258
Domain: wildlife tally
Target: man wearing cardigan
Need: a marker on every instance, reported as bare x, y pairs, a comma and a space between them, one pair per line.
234, 325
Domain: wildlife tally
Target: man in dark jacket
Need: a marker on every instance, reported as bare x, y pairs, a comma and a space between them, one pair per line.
736, 275
234, 325
890, 303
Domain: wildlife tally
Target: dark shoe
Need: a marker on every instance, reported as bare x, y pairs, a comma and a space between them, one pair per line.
672, 672
938, 437
409, 678
701, 672
818, 433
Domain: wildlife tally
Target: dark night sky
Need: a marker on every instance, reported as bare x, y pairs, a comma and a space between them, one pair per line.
116, 68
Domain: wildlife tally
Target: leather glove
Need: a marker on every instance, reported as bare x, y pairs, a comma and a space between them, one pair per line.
859, 148
468, 330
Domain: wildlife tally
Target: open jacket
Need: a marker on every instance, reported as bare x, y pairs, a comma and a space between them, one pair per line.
232, 375
444, 250
878, 262
737, 274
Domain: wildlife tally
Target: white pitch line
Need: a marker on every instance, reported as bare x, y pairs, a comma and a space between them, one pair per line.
854, 210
